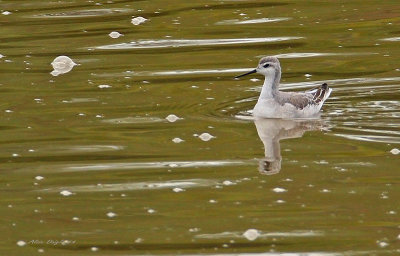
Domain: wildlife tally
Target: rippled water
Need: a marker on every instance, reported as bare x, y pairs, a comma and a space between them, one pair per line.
146, 146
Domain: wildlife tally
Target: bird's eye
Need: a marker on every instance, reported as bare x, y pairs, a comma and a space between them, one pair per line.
266, 65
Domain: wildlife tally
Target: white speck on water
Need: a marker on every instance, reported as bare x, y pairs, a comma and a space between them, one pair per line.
40, 250
8, 111
138, 20
1, 56
173, 165
151, 211
194, 230
251, 234
206, 136
212, 201
94, 249
228, 183
21, 243
279, 190
104, 86
321, 162
177, 190
172, 118
66, 193
382, 244
254, 79
308, 75
62, 65
39, 177
325, 190
177, 140
395, 151
279, 201
6, 13
392, 212
76, 219
111, 214
138, 240
115, 34
15, 155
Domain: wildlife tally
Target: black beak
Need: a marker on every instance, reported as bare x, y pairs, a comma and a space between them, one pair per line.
248, 73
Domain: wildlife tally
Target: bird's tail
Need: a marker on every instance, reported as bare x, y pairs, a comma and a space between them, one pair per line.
321, 93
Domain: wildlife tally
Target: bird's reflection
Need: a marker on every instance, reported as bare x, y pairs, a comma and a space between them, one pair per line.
271, 131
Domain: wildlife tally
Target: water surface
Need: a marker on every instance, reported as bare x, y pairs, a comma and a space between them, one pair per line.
146, 147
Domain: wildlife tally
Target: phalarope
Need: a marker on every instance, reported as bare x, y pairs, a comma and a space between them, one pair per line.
273, 103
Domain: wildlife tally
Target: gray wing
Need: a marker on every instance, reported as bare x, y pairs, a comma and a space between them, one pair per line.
302, 99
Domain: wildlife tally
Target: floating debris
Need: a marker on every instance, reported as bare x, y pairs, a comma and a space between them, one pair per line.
206, 136
251, 234
115, 34
104, 86
6, 13
177, 190
1, 56
39, 177
172, 118
138, 20
94, 249
177, 140
21, 243
395, 151
111, 215
62, 65
151, 211
228, 183
66, 193
279, 190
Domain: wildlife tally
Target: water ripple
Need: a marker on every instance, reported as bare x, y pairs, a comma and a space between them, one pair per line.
269, 234
134, 120
137, 186
165, 43
251, 21
83, 13
151, 165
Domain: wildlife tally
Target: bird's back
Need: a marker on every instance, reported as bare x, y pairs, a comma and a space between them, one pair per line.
293, 104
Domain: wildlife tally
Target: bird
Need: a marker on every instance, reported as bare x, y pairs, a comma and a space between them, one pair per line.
273, 103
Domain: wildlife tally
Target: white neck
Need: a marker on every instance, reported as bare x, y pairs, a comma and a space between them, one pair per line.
267, 91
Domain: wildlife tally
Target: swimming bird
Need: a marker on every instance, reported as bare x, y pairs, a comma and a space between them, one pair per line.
273, 103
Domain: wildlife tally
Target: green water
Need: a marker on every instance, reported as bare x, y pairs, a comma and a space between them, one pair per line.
321, 187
